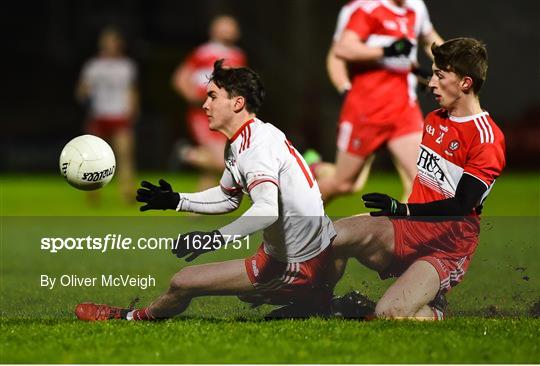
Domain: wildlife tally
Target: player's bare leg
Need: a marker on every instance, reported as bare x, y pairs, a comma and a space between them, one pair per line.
371, 241
123, 143
208, 158
224, 278
368, 239
404, 150
364, 174
324, 170
409, 296
343, 181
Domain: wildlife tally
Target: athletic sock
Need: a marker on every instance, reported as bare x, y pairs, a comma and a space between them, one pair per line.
140, 314
437, 314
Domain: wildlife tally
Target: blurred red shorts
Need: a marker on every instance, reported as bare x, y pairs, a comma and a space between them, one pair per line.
106, 127
364, 137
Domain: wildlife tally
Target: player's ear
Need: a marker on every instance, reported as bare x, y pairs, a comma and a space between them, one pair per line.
239, 103
466, 84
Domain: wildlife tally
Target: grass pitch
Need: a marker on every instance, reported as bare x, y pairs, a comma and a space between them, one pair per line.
489, 312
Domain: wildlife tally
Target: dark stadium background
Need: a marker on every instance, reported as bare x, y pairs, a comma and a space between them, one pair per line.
45, 44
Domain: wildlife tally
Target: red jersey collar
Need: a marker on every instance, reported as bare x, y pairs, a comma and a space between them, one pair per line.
242, 128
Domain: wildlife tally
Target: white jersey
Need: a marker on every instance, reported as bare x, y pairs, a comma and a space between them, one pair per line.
109, 81
259, 152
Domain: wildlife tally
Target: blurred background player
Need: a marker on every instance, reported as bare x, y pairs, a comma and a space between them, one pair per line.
190, 80
108, 83
375, 45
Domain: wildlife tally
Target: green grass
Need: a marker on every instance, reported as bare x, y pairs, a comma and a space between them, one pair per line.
465, 340
48, 195
489, 320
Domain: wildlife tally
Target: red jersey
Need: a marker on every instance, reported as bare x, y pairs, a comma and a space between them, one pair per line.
453, 146
202, 59
378, 23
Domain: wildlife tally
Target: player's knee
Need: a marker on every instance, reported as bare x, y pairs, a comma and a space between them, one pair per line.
182, 283
390, 310
344, 186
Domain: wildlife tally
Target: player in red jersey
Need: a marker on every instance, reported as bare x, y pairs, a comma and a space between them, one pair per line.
190, 80
429, 242
378, 40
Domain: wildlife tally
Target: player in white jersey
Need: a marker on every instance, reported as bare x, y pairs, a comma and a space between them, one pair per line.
108, 83
291, 264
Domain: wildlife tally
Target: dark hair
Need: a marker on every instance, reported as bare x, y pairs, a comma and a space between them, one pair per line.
465, 57
239, 82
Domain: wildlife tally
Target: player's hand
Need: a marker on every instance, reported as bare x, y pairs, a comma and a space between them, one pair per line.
398, 48
159, 197
196, 243
388, 206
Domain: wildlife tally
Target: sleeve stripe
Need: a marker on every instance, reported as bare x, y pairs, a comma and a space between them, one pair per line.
488, 127
481, 130
246, 138
230, 189
257, 182
486, 132
474, 176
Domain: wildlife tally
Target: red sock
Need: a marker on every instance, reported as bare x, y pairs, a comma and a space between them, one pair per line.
437, 314
143, 314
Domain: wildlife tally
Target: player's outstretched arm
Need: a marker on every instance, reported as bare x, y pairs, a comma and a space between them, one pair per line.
468, 195
212, 201
263, 213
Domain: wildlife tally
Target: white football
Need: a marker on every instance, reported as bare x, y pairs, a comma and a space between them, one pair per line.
87, 162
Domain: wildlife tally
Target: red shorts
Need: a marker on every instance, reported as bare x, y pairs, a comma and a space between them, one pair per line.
105, 127
447, 245
360, 136
281, 283
198, 126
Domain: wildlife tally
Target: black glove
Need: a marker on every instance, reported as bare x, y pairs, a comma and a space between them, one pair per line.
389, 206
400, 47
157, 198
197, 243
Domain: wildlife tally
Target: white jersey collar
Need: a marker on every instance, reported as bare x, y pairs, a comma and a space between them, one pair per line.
467, 118
394, 8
